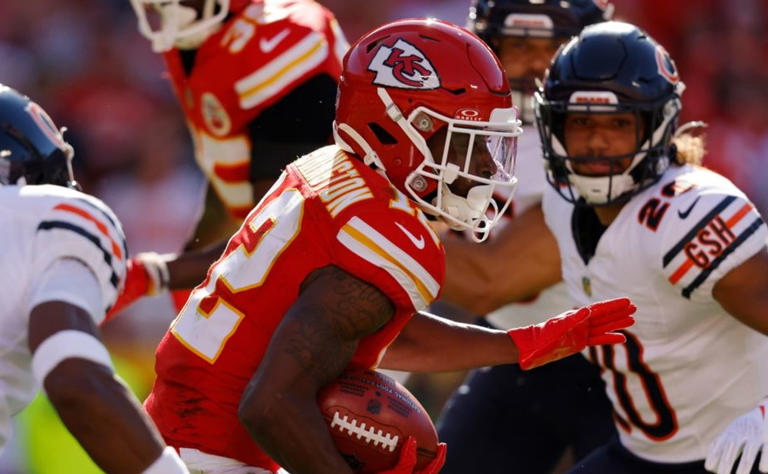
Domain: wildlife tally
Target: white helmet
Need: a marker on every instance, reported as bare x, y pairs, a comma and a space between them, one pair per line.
179, 26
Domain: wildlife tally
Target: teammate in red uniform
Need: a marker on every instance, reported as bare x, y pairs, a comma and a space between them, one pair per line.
257, 82
329, 268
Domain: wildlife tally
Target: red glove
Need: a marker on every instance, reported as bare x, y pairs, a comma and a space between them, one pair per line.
146, 275
407, 460
572, 331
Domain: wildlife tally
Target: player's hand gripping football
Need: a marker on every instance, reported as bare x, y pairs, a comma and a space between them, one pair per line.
146, 275
407, 460
570, 332
746, 435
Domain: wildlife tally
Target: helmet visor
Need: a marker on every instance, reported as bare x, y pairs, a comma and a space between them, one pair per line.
484, 150
480, 153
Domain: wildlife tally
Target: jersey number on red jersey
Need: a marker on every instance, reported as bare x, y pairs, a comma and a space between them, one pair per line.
208, 320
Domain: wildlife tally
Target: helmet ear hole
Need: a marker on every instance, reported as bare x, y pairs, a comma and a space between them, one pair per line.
370, 46
384, 137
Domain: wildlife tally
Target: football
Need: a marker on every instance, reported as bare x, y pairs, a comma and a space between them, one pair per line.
370, 415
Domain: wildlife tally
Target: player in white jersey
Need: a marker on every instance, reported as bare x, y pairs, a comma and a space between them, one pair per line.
634, 213
63, 263
566, 404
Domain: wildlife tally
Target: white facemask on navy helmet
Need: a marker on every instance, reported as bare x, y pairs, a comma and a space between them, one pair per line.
610, 68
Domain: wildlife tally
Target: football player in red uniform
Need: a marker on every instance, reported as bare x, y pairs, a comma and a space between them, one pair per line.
257, 82
330, 269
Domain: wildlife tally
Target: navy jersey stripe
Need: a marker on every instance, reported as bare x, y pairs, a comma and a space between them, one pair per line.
47, 225
692, 233
112, 220
702, 277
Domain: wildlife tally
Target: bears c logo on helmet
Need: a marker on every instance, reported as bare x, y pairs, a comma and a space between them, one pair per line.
403, 66
46, 124
666, 66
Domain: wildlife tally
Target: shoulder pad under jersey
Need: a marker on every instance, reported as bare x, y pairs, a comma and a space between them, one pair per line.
75, 225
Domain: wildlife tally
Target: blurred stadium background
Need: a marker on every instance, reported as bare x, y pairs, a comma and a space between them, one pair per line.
84, 62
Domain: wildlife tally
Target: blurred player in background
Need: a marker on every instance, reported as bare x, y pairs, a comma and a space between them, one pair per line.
565, 402
634, 213
257, 82
64, 261
328, 270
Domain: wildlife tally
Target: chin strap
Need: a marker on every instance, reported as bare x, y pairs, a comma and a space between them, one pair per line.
395, 114
370, 158
470, 213
466, 209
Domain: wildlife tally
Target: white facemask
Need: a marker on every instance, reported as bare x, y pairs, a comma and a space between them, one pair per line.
180, 25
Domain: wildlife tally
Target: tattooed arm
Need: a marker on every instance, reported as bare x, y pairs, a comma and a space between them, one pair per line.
312, 345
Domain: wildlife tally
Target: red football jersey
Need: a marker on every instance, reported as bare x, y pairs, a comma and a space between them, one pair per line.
255, 59
327, 208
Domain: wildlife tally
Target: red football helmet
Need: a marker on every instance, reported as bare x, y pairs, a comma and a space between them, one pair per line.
412, 86
181, 25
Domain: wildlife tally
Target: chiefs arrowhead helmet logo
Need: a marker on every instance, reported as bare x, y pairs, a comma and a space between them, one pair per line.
403, 66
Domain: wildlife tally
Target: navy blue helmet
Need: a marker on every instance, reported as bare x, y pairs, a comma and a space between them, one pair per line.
490, 19
611, 67
32, 149
558, 20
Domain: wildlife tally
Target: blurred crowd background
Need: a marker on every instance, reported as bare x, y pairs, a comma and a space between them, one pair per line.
86, 64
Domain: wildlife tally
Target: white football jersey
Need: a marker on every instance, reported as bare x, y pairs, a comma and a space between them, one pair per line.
529, 169
38, 226
688, 368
